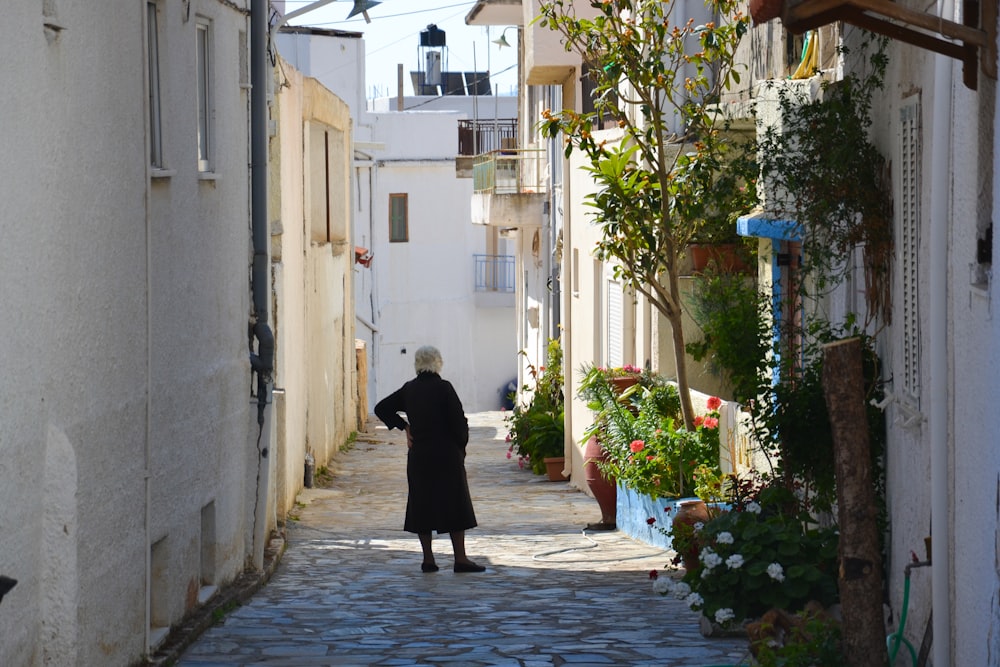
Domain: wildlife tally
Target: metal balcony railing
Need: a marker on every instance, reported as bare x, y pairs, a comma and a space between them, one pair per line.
483, 136
494, 273
510, 172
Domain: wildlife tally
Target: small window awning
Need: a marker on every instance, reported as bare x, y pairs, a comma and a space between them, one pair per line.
761, 225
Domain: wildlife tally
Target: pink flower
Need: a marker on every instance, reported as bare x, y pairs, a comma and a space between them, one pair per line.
508, 454
508, 438
711, 422
698, 421
714, 403
636, 446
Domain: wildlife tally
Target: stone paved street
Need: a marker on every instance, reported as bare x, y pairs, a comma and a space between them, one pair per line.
349, 590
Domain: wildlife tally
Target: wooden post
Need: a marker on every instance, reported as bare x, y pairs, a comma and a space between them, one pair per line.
860, 577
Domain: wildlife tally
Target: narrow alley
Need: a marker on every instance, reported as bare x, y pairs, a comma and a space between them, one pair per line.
349, 590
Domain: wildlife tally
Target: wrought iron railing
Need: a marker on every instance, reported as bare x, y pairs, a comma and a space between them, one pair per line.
506, 172
483, 136
494, 273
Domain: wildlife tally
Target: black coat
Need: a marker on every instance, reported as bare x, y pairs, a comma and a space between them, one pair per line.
438, 498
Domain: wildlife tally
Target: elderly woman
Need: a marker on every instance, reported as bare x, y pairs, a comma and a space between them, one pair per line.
437, 433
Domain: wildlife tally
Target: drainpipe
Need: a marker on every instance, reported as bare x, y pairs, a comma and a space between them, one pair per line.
940, 189
261, 362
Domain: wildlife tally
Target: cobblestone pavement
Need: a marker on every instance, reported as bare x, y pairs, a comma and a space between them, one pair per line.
349, 590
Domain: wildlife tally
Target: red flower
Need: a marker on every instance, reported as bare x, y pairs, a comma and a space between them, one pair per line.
636, 446
650, 457
698, 421
714, 403
653, 574
711, 422
650, 521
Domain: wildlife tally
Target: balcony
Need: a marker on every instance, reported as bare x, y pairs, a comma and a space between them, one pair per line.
494, 275
476, 137
509, 187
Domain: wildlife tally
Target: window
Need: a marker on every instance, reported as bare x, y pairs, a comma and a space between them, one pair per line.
153, 65
909, 245
399, 229
205, 111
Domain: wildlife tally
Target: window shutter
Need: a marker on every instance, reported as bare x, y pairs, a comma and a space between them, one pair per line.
909, 250
616, 312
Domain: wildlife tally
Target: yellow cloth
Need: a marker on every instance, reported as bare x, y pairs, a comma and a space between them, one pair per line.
810, 56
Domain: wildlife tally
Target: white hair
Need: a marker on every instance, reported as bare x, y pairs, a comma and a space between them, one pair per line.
428, 360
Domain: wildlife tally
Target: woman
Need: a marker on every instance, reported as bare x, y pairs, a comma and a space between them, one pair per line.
437, 433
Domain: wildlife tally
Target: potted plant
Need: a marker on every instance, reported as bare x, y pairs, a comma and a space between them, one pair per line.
536, 431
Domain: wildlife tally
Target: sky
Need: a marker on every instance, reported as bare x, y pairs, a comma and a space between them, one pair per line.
393, 37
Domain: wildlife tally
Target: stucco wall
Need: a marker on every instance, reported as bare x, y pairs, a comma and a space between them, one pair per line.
127, 354
314, 302
423, 289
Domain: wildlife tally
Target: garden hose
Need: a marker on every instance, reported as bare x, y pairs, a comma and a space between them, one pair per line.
893, 641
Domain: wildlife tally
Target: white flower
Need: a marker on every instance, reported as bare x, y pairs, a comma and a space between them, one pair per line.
734, 562
724, 538
694, 601
723, 615
662, 585
706, 573
709, 558
681, 590
753, 507
698, 525
776, 572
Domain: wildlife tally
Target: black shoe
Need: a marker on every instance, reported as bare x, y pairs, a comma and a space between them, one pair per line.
428, 567
602, 525
469, 567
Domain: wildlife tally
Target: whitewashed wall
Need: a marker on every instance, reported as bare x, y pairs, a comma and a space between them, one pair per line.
423, 290
126, 344
314, 295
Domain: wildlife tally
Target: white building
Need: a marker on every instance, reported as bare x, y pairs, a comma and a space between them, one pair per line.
935, 121
137, 473
127, 429
410, 200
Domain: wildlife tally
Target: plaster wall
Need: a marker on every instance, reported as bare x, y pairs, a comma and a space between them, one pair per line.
313, 267
968, 147
423, 289
128, 351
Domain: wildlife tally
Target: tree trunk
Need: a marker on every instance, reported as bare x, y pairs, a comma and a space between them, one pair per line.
860, 576
675, 317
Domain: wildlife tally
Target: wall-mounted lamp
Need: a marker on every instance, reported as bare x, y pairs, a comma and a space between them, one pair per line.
501, 41
362, 7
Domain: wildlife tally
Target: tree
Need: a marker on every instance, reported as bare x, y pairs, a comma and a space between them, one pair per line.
672, 176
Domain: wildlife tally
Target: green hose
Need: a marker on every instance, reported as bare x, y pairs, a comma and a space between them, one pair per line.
893, 641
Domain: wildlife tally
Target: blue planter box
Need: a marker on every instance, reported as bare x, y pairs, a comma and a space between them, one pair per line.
634, 511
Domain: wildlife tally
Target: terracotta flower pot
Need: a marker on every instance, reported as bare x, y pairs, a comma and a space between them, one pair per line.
725, 255
554, 468
691, 512
605, 491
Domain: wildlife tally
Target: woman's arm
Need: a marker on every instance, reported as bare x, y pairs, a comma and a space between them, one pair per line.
388, 410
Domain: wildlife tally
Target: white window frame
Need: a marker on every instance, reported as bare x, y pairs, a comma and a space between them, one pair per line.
206, 111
